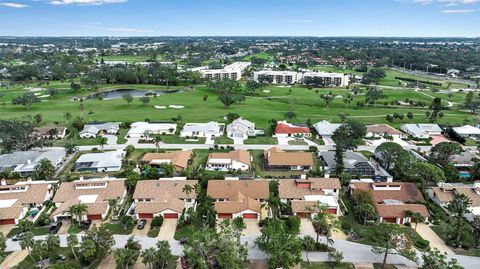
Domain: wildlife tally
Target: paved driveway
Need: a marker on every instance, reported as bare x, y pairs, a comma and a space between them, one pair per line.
14, 259
64, 228
306, 228
435, 241
5, 229
252, 228
142, 232
167, 231
111, 139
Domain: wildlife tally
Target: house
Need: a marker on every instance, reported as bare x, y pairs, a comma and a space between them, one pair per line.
393, 199
421, 130
24, 162
241, 129
233, 160
285, 129
17, 200
302, 194
166, 198
179, 159
325, 128
109, 161
277, 159
355, 164
51, 132
96, 194
465, 160
446, 192
467, 131
148, 129
232, 71
238, 198
94, 129
209, 129
382, 130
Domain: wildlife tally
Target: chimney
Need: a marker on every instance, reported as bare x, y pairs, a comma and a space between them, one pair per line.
81, 177
303, 176
3, 182
326, 175
29, 161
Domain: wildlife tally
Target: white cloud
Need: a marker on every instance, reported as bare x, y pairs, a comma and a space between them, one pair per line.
458, 10
84, 2
13, 5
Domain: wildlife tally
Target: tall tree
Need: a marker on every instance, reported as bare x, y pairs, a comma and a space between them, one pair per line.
458, 207
44, 170
26, 100
434, 259
72, 243
27, 242
392, 240
442, 153
128, 98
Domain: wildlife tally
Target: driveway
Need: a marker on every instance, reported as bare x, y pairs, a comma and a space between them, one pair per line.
14, 259
435, 241
108, 262
142, 232
209, 140
306, 228
111, 139
5, 229
64, 228
252, 228
237, 141
167, 231
283, 140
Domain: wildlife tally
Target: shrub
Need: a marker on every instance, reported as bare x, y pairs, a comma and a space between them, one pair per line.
293, 223
128, 150
421, 243
312, 149
321, 247
157, 221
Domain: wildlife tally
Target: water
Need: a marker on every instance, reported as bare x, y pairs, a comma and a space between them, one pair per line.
118, 93
464, 175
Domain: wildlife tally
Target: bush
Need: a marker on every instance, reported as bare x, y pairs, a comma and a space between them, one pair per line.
43, 220
293, 223
320, 247
312, 149
157, 221
421, 243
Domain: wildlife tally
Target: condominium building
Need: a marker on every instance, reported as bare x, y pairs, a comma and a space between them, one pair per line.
232, 71
291, 77
326, 79
278, 77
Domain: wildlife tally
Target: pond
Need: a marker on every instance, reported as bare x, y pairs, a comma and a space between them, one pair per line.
118, 93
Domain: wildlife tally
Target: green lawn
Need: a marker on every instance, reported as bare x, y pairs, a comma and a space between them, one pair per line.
153, 231
117, 228
324, 265
223, 140
262, 140
74, 229
183, 232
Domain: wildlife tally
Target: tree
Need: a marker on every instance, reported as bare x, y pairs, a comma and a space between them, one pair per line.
391, 154
81, 107
149, 257
228, 99
415, 217
157, 139
44, 170
76, 211
434, 259
476, 229
27, 242
205, 98
392, 240
458, 207
102, 141
67, 116
101, 237
336, 258
365, 211
472, 102
70, 146
308, 244
72, 243
39, 249
327, 99
424, 173
128, 98
88, 249
128, 255
52, 245
344, 138
144, 99
3, 246
283, 247
216, 248
38, 118
373, 95
290, 115
26, 100
18, 135
442, 153
164, 255
323, 223
75, 87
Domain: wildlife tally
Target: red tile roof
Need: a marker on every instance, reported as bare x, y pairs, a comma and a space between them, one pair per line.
283, 128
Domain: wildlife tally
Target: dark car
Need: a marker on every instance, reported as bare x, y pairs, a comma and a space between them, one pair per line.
183, 240
54, 227
184, 262
141, 224
85, 225
18, 237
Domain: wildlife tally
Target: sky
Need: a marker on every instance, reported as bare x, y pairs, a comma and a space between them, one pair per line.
397, 18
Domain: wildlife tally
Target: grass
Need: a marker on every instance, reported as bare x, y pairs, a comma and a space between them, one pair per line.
153, 231
174, 139
261, 140
471, 142
223, 140
324, 265
307, 104
118, 228
74, 229
183, 232
297, 142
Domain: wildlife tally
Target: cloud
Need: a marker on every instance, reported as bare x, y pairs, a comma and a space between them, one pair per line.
13, 5
84, 2
458, 10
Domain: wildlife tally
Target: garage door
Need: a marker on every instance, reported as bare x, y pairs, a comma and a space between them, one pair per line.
303, 215
145, 215
7, 221
170, 216
94, 217
390, 220
250, 215
224, 216
332, 211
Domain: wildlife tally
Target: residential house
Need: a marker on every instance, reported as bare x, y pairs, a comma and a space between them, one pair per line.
179, 159
209, 129
241, 129
421, 130
96, 194
233, 160
303, 194
277, 159
109, 161
325, 128
239, 198
393, 199
24, 162
354, 163
446, 192
467, 131
51, 132
166, 198
285, 129
17, 200
94, 129
147, 130
382, 130
464, 162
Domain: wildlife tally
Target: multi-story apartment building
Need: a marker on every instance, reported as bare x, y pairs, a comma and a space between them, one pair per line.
292, 77
232, 71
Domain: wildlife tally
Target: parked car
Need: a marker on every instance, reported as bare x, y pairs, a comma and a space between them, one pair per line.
141, 224
184, 262
183, 240
85, 225
18, 237
54, 227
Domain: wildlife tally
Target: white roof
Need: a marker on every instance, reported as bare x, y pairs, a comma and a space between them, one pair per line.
103, 159
422, 128
326, 128
209, 127
88, 198
467, 130
324, 199
240, 125
96, 127
142, 127
25, 161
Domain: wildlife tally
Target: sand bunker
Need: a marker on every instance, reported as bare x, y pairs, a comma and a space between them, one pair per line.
176, 106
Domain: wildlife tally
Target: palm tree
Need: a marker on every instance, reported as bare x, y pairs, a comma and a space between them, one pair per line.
157, 139
44, 169
67, 116
27, 242
78, 210
72, 243
308, 244
149, 256
365, 211
458, 207
414, 217
102, 141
